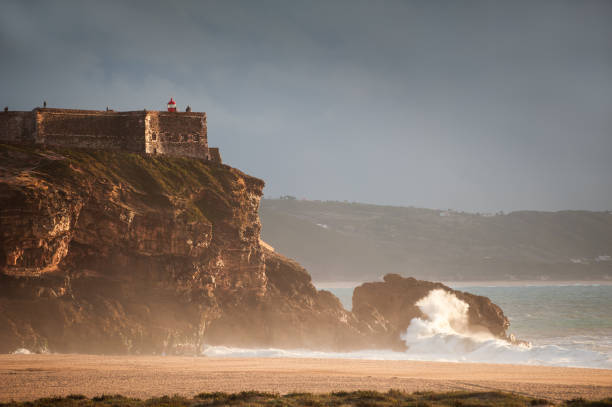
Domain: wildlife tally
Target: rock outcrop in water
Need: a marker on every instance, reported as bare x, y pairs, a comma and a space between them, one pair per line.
393, 302
114, 252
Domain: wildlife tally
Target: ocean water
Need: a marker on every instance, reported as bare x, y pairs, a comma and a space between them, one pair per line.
566, 325
579, 315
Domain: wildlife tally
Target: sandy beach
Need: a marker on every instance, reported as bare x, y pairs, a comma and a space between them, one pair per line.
26, 377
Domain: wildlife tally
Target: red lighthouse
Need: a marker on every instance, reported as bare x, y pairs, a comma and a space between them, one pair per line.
172, 105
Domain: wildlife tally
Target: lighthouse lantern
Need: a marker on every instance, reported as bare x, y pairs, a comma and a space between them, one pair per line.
172, 105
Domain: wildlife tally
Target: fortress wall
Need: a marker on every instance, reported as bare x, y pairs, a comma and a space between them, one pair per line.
17, 127
91, 129
153, 132
215, 155
180, 133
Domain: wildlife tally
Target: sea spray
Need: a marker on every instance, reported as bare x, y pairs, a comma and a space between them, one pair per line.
444, 334
445, 331
446, 314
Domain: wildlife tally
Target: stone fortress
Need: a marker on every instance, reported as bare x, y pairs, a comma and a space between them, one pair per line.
153, 132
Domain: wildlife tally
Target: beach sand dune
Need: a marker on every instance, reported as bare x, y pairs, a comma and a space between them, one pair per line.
27, 377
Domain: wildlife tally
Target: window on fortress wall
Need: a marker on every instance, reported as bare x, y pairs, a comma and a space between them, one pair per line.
154, 136
196, 137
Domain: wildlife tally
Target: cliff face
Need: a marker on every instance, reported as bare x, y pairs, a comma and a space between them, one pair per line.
120, 252
116, 252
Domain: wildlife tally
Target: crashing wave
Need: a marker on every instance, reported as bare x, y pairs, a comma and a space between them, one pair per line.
444, 334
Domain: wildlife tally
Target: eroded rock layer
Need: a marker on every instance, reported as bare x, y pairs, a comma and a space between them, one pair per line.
114, 252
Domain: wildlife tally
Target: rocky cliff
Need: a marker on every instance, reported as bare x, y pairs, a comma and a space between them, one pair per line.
115, 252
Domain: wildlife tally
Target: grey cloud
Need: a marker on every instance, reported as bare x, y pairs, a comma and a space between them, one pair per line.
474, 105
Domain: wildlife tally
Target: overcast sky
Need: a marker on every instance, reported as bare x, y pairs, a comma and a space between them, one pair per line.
470, 105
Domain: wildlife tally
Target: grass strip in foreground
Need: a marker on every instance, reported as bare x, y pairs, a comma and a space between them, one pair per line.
336, 399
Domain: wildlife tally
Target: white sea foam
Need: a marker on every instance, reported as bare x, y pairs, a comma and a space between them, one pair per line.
445, 335
21, 351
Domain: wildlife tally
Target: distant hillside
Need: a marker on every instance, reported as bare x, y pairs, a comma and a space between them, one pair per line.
339, 241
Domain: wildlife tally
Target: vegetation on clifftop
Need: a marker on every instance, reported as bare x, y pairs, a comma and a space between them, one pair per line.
156, 178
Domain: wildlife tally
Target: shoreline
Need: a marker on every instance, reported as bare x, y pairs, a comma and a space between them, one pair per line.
27, 377
325, 285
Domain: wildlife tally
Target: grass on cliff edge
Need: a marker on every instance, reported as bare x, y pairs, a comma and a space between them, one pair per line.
337, 399
156, 178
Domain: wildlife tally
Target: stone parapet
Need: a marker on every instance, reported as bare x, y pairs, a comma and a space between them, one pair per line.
153, 132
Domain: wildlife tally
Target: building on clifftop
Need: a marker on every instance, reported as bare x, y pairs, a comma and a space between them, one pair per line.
153, 132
